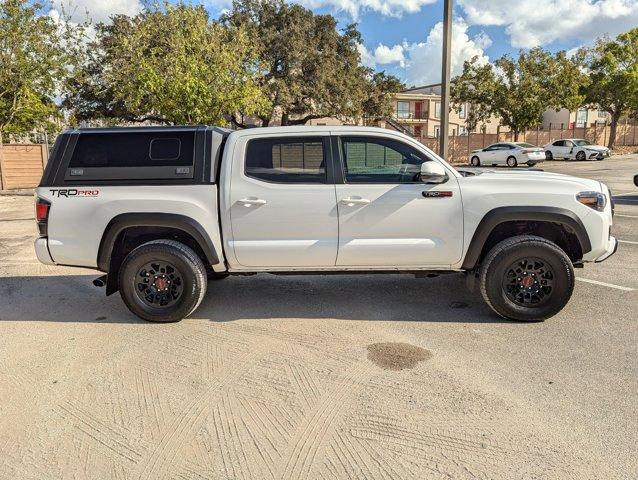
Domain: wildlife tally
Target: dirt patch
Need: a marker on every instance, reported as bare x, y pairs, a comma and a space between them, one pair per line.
396, 356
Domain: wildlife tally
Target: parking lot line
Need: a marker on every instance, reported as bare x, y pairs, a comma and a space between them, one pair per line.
603, 284
626, 216
628, 241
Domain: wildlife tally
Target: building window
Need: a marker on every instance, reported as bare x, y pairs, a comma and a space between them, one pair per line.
581, 118
602, 113
437, 109
462, 110
462, 130
403, 109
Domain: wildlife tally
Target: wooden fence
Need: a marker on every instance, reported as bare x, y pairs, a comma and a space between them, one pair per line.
461, 146
21, 165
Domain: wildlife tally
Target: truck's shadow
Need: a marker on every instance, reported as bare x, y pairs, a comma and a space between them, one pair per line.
348, 297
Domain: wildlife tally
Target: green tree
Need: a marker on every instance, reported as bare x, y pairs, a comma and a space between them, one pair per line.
33, 64
518, 92
613, 73
169, 64
311, 69
378, 102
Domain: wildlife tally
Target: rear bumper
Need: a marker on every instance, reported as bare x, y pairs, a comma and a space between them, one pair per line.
613, 246
42, 251
534, 158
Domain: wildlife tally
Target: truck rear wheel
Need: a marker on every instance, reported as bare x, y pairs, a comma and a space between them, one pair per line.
162, 281
526, 278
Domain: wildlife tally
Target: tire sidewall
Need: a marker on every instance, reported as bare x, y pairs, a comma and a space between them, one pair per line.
563, 282
172, 313
514, 162
477, 163
580, 156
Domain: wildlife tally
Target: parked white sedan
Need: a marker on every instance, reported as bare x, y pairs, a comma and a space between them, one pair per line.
510, 154
575, 148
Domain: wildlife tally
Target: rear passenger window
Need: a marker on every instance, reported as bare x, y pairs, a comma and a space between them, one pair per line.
133, 149
286, 160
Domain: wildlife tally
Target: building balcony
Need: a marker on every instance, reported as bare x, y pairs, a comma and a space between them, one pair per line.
410, 116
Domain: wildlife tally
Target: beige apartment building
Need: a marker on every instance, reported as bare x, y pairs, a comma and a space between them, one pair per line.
567, 120
417, 111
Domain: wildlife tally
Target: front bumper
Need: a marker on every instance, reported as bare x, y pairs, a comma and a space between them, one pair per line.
613, 246
598, 155
42, 251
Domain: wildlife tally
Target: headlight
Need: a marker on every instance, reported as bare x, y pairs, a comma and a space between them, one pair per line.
595, 200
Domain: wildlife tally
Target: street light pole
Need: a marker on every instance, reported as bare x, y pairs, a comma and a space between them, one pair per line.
445, 78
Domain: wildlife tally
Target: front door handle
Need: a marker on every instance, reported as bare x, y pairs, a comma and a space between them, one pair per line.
252, 201
350, 201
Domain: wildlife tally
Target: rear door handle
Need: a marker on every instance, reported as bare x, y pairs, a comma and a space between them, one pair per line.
355, 201
252, 201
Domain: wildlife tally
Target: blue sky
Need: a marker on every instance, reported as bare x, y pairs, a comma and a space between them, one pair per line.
403, 37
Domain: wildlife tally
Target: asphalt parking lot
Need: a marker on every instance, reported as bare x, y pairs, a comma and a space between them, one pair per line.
283, 377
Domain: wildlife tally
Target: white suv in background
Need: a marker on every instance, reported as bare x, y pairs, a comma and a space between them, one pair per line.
575, 149
509, 153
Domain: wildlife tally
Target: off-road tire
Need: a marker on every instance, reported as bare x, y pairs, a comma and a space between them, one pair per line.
475, 161
187, 262
511, 162
497, 262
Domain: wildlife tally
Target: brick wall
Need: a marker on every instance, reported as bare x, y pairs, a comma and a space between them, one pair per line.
461, 146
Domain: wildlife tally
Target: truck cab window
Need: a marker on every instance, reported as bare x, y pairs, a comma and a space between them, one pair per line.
380, 160
286, 160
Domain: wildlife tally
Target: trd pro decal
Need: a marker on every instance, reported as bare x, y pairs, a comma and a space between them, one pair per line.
74, 192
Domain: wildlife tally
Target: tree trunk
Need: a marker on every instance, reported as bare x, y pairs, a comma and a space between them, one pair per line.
284, 119
612, 130
265, 121
515, 135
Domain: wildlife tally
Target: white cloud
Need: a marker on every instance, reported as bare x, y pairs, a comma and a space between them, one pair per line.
385, 55
531, 23
421, 61
367, 58
97, 10
354, 8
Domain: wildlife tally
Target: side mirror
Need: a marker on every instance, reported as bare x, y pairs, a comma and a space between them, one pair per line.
433, 172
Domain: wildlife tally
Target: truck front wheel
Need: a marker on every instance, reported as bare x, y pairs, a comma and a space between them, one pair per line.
526, 278
162, 281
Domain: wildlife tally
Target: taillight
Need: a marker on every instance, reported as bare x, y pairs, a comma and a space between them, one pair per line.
42, 208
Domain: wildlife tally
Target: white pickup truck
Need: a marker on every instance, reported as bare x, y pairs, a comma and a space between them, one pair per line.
162, 211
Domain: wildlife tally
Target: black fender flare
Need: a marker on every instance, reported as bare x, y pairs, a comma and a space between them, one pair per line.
507, 214
180, 222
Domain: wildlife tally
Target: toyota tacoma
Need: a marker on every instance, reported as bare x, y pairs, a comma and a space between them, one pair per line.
162, 211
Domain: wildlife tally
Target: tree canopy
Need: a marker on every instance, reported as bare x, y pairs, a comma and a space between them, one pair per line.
519, 91
311, 69
169, 64
613, 74
33, 63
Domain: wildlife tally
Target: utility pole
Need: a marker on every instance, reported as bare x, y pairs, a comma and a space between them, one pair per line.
445, 78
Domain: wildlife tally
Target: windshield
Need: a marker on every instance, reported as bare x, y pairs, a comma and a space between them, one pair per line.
582, 143
526, 145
